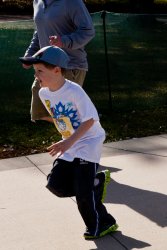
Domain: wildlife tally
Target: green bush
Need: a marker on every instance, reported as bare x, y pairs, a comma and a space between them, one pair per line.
16, 7
124, 6
16, 3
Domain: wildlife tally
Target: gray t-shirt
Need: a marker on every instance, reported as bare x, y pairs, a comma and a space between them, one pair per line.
68, 19
48, 1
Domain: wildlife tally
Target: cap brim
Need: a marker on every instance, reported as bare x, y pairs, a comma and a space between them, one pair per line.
29, 60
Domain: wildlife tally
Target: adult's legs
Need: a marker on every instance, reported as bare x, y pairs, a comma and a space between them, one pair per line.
38, 110
75, 75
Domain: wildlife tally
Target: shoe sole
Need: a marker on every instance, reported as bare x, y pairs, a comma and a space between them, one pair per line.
107, 180
111, 229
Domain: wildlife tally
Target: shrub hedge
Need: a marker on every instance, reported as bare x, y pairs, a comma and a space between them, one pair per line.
137, 6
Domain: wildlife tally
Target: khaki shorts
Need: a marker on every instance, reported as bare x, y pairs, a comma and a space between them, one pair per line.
38, 110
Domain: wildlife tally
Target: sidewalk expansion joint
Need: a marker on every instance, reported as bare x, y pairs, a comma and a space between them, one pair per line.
119, 242
45, 174
138, 152
35, 165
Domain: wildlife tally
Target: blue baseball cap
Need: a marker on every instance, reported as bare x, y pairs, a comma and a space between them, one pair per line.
49, 54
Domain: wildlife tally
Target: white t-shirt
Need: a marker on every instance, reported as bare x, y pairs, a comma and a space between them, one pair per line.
69, 107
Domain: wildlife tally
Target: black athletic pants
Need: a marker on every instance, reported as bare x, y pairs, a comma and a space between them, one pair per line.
76, 178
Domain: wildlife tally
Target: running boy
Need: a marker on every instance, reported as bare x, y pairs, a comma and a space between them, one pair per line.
74, 171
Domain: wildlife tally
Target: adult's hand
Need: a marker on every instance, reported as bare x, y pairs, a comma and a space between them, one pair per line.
56, 41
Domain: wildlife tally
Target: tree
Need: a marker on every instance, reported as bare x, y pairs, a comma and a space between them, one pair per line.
142, 6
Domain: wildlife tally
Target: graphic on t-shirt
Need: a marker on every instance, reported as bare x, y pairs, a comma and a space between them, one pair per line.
64, 117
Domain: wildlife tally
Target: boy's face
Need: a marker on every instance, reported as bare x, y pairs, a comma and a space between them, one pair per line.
45, 76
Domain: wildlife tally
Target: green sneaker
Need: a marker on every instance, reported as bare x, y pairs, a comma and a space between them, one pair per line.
104, 179
107, 229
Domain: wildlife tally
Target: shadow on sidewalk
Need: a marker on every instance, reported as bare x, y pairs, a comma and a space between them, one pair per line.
147, 203
106, 243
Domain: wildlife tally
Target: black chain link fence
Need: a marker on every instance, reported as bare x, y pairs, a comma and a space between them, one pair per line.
127, 63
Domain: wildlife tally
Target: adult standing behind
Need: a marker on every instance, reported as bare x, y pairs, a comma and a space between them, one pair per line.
66, 24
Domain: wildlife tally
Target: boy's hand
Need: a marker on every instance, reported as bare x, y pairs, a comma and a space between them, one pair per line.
59, 148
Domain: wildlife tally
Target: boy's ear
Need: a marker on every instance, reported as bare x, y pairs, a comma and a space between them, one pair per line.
57, 69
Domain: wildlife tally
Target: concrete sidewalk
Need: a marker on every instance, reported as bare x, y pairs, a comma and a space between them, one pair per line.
31, 218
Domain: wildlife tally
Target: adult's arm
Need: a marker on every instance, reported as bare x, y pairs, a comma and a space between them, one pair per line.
34, 45
82, 22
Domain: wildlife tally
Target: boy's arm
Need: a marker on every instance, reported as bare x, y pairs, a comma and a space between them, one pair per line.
62, 146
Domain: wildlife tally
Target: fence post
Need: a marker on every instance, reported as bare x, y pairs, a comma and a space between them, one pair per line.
103, 16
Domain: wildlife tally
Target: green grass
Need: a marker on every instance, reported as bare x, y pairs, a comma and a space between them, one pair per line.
137, 52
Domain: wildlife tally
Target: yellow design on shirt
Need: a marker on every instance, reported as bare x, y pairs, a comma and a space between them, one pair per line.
48, 106
63, 123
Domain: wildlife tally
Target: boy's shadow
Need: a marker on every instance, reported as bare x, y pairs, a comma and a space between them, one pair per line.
148, 203
111, 242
